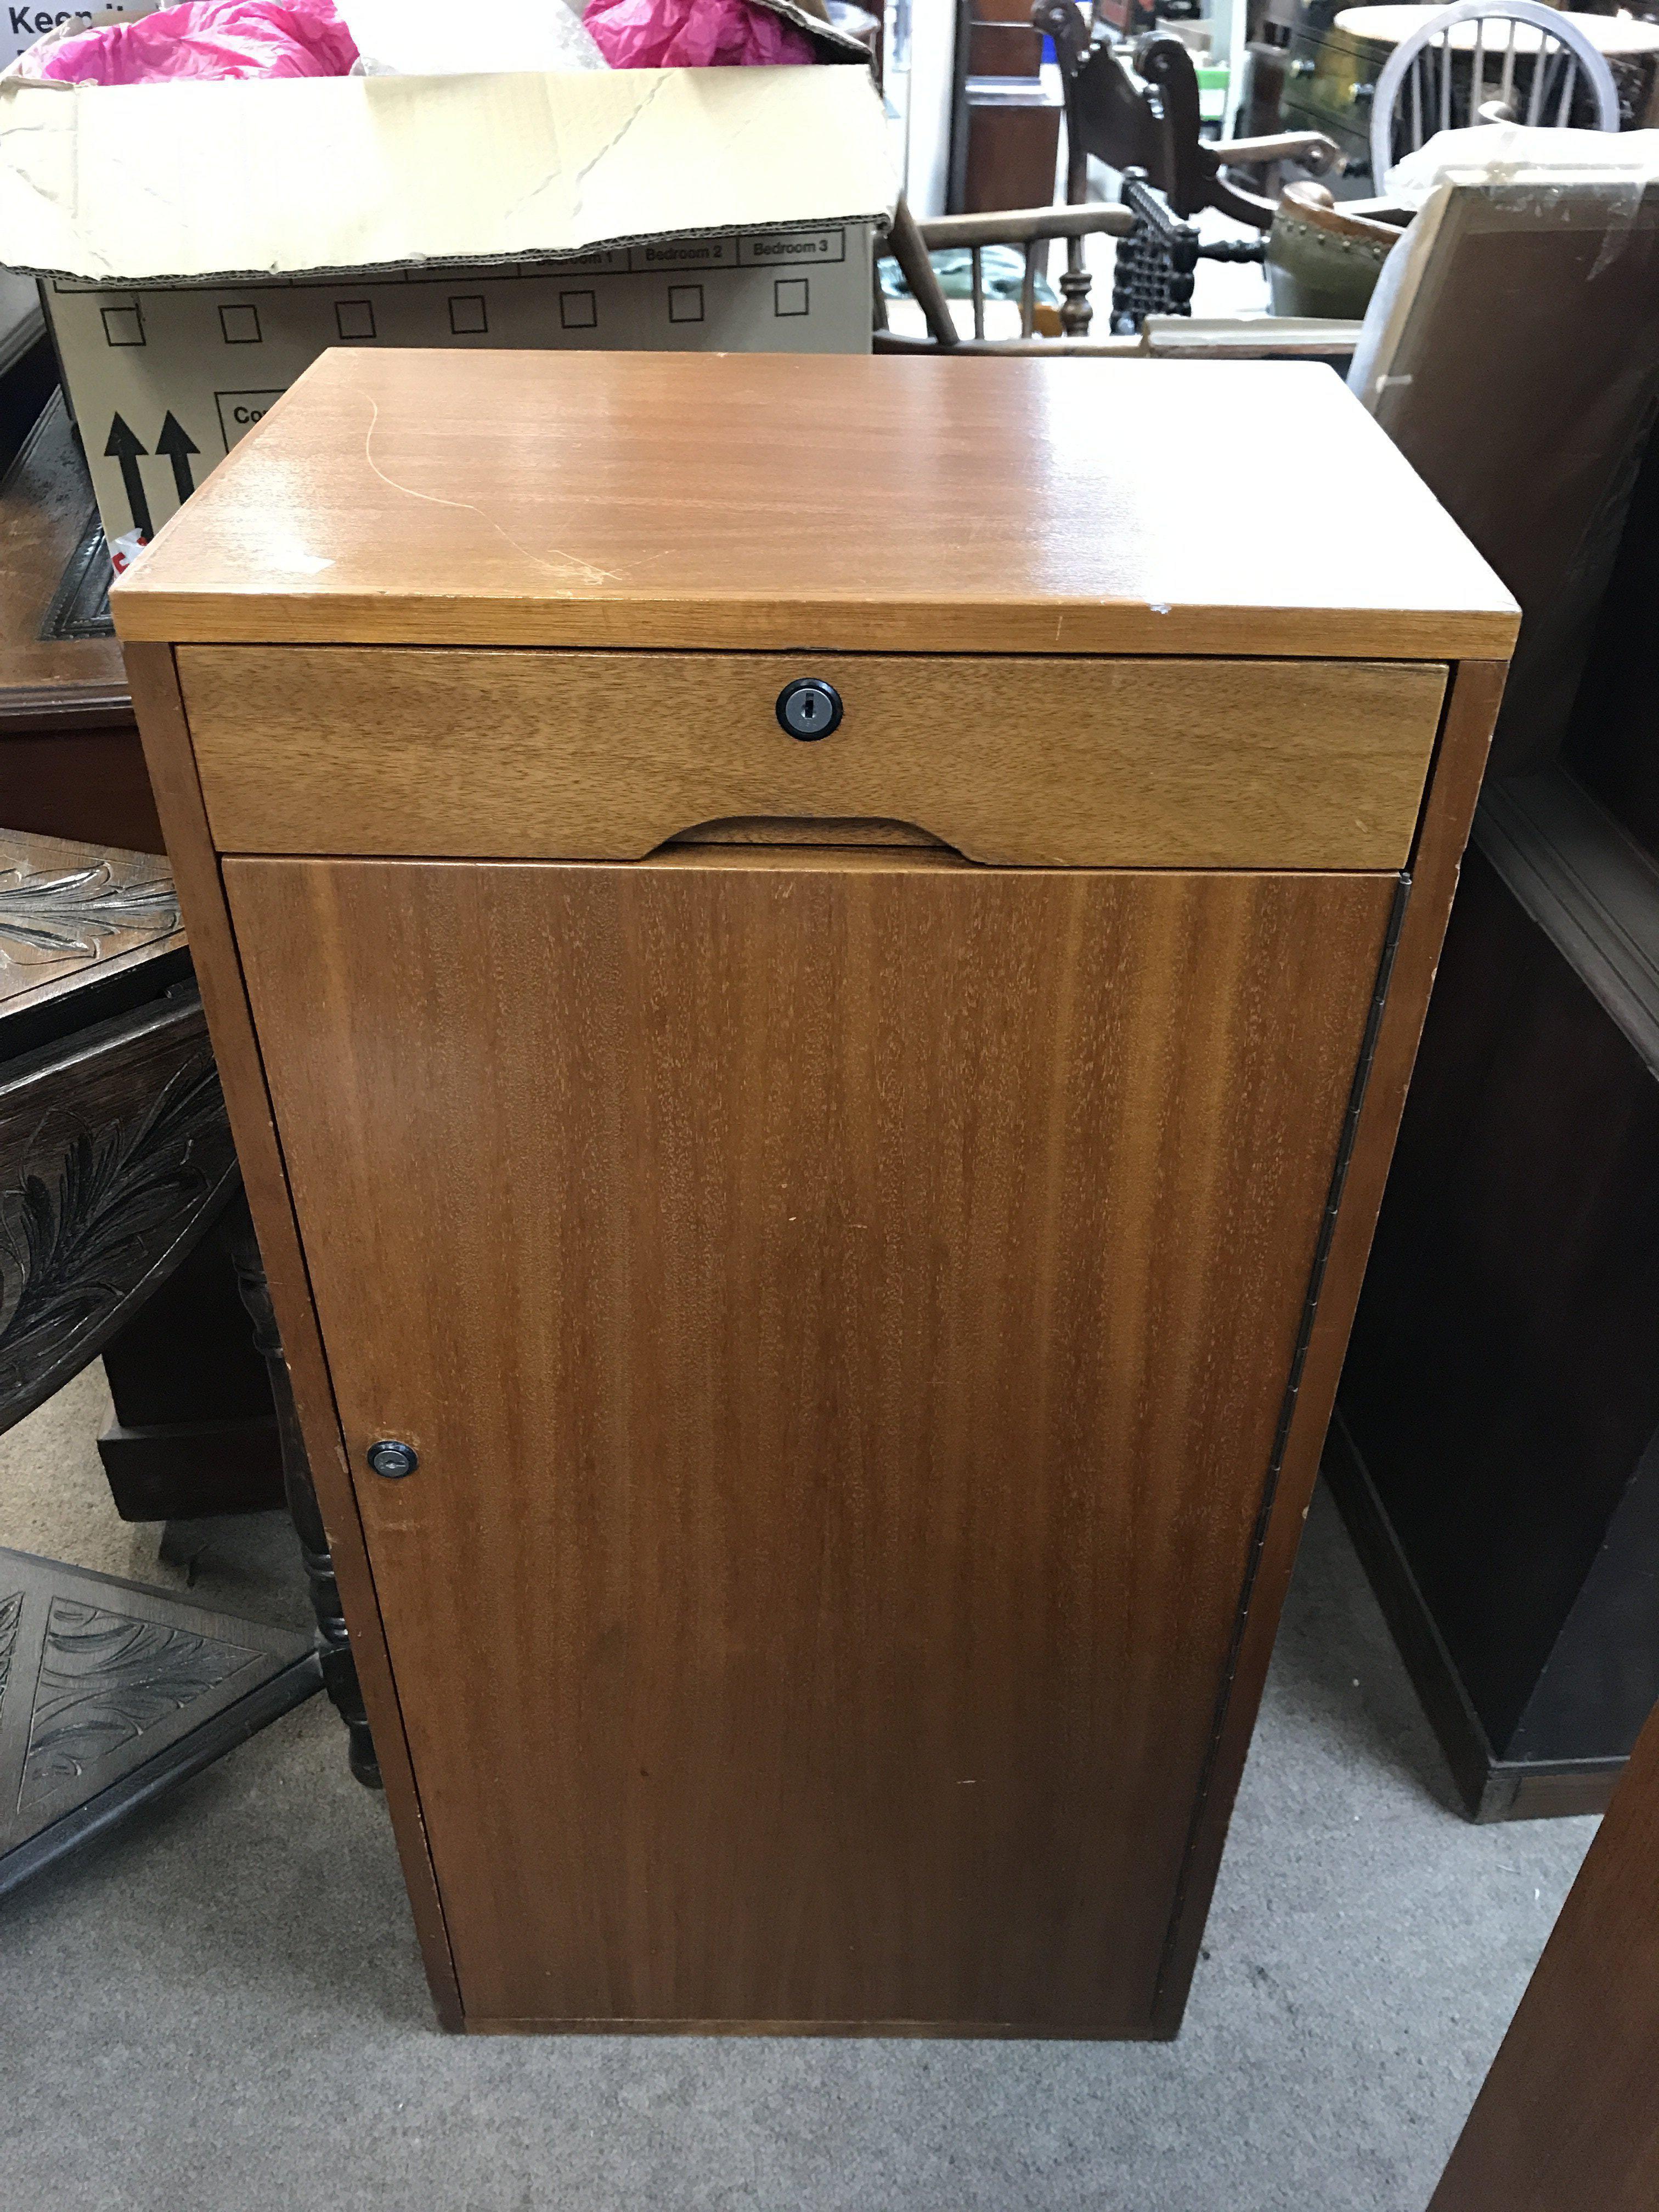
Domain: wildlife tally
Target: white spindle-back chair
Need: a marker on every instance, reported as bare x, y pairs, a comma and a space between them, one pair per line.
1526, 63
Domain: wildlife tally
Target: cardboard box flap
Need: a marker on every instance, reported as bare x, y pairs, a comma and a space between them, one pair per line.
281, 177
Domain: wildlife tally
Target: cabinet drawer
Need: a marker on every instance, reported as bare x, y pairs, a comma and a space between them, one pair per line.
1056, 762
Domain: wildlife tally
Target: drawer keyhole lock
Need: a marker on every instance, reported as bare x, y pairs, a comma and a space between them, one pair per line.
392, 1459
809, 708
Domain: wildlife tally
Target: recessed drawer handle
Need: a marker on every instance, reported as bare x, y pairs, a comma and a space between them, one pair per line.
809, 708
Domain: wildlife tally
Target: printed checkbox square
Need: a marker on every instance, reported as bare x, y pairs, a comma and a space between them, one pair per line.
240, 325
578, 311
468, 316
124, 327
790, 296
355, 319
686, 303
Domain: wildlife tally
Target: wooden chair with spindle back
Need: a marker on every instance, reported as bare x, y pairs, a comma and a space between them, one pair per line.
1544, 70
912, 244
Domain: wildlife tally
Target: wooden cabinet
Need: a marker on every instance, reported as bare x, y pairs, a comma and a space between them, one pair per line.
860, 1232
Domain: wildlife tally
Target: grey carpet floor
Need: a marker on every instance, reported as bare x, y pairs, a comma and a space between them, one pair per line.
220, 2009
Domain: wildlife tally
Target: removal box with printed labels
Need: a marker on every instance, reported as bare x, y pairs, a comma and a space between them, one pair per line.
24, 22
202, 243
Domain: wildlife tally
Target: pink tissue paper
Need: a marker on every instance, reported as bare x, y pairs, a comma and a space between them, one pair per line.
205, 38
693, 34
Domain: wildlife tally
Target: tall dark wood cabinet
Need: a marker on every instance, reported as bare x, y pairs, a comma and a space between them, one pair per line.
1496, 1449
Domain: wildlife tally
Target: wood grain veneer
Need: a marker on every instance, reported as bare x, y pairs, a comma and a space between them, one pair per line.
768, 502
870, 1318
842, 1429
1448, 809
1568, 2119
224, 997
1149, 764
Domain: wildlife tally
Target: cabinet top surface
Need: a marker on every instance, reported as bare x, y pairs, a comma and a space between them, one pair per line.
766, 501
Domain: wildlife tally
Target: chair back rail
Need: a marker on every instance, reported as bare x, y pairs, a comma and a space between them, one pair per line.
912, 244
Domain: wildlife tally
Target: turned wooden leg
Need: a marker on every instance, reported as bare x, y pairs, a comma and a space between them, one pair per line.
1075, 312
333, 1643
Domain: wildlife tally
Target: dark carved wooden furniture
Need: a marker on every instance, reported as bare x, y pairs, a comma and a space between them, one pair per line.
1139, 114
1157, 262
194, 1430
1139, 109
115, 1157
111, 1692
814, 1044
1568, 2119
107, 1185
1329, 83
1268, 27
71, 761
1496, 1447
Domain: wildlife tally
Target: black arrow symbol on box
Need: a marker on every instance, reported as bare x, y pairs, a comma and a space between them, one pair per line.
176, 443
123, 447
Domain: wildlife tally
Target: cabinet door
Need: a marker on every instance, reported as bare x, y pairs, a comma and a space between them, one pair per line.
843, 1304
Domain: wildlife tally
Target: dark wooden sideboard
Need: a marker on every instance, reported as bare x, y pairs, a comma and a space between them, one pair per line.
71, 761
814, 1240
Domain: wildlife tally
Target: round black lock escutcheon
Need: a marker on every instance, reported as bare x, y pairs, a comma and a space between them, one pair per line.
809, 708
392, 1459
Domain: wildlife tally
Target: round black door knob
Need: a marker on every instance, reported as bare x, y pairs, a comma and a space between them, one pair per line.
392, 1459
809, 707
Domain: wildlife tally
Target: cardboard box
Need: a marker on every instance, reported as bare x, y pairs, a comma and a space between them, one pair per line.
22, 26
201, 244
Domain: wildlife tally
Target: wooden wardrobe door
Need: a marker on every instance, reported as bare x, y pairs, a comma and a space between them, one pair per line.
843, 1304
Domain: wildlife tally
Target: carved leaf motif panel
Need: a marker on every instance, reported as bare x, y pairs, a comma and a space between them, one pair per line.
110, 1691
104, 1679
54, 914
95, 1188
